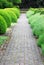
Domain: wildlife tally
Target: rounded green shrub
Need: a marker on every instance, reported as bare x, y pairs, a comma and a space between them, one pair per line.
37, 11
12, 14
42, 12
42, 49
6, 17
35, 20
40, 40
3, 25
38, 26
29, 13
34, 17
38, 30
16, 11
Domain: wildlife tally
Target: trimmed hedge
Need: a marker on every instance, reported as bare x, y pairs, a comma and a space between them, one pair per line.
29, 13
12, 15
40, 40
6, 17
33, 18
37, 24
3, 25
42, 48
15, 10
38, 27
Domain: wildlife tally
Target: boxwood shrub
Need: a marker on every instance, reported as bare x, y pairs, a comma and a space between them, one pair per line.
40, 40
33, 17
38, 31
12, 15
42, 12
6, 17
29, 13
36, 21
15, 10
3, 25
38, 27
42, 49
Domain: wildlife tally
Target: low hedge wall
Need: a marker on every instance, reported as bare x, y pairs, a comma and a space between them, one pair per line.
36, 20
8, 16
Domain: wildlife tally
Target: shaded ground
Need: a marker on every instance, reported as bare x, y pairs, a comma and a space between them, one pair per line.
22, 49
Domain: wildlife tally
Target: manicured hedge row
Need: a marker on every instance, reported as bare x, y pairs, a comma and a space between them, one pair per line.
36, 20
8, 16
3, 25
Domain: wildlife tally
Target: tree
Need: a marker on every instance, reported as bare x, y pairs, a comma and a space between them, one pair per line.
40, 3
5, 3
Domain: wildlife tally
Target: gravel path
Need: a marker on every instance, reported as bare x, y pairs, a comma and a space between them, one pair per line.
22, 49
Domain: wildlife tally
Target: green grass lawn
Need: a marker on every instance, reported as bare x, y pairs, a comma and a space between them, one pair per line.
3, 39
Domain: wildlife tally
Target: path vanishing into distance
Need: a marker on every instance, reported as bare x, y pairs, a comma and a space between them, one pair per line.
22, 48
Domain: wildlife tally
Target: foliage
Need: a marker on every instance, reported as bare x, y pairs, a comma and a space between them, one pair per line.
6, 17
42, 48
3, 25
37, 24
38, 31
40, 3
5, 3
33, 17
2, 39
40, 40
12, 14
15, 1
29, 13
16, 11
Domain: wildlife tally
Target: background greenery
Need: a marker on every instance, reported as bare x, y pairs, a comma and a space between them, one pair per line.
8, 3
29, 3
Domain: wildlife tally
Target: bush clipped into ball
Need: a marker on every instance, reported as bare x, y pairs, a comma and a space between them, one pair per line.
38, 26
34, 17
12, 15
3, 25
35, 21
40, 40
38, 31
6, 17
16, 11
29, 13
